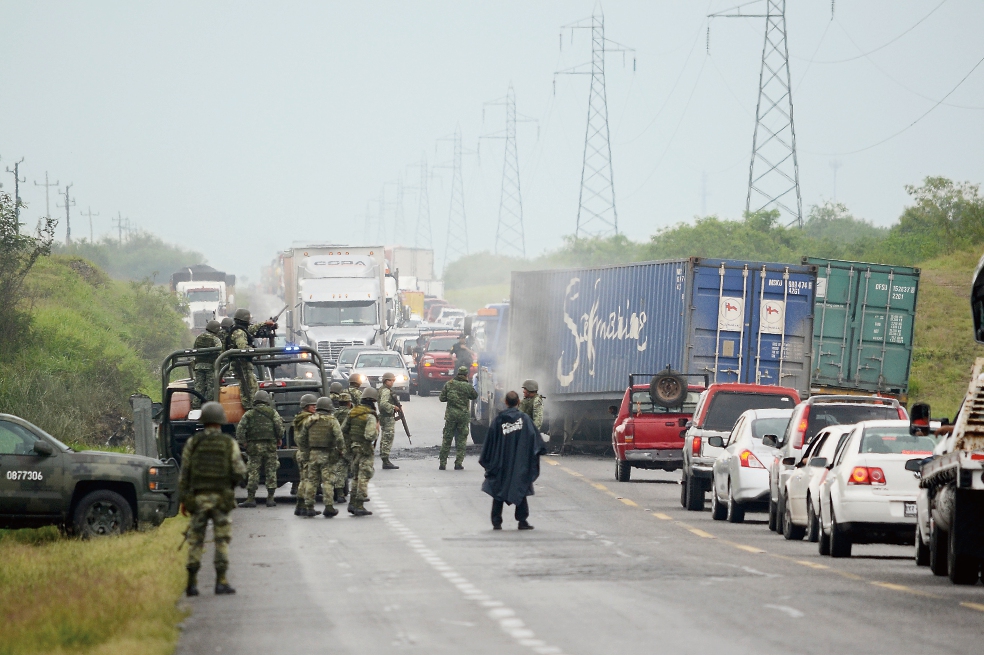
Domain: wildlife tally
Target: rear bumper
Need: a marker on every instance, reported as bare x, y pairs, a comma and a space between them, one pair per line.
702, 472
751, 485
869, 532
659, 458
880, 511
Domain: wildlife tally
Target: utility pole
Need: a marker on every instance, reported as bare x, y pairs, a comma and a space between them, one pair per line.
835, 164
90, 214
773, 174
509, 236
69, 203
596, 212
120, 223
17, 183
457, 239
47, 195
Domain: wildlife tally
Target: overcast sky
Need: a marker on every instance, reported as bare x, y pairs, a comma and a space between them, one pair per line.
237, 128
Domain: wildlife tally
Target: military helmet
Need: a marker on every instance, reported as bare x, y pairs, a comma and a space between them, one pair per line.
324, 404
344, 397
336, 387
388, 376
262, 396
370, 394
226, 323
213, 412
462, 370
308, 399
213, 326
242, 314
355, 379
531, 386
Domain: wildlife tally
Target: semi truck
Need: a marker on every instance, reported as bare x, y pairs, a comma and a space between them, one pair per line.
207, 292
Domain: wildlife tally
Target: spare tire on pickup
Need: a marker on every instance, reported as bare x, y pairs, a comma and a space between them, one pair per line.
668, 389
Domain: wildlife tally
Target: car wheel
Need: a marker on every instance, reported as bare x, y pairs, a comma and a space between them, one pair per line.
773, 515
780, 514
622, 470
736, 513
963, 569
101, 513
938, 540
823, 543
922, 549
695, 494
790, 530
406, 397
813, 525
718, 511
840, 541
683, 490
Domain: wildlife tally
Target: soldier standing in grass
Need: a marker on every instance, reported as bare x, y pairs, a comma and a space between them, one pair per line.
342, 469
532, 403
360, 431
387, 419
321, 441
261, 429
211, 468
457, 393
308, 402
205, 362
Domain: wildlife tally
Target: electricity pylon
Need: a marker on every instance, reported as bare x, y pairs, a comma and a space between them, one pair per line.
773, 174
457, 239
422, 236
596, 212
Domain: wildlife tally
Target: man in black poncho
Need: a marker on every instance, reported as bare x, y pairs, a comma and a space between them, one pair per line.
511, 459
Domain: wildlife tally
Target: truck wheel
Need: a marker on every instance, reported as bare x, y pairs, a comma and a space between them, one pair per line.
718, 511
422, 390
622, 471
938, 540
478, 432
101, 513
840, 541
964, 569
736, 513
790, 530
695, 494
683, 490
922, 549
813, 527
773, 515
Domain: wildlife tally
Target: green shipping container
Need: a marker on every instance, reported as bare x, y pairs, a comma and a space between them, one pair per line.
864, 317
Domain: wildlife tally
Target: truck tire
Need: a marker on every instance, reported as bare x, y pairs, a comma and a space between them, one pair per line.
773, 515
840, 541
422, 390
921, 554
963, 569
791, 531
736, 513
683, 490
695, 494
623, 471
938, 540
102, 513
813, 525
478, 432
718, 511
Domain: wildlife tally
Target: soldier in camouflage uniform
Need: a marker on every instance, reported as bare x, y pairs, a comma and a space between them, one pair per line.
205, 362
334, 392
456, 393
340, 474
360, 431
532, 403
355, 389
211, 467
321, 440
387, 419
241, 337
308, 402
261, 429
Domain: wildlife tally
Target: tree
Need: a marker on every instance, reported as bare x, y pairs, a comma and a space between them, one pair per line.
18, 254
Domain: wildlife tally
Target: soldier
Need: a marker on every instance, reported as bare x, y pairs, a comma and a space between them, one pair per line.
335, 392
456, 393
388, 404
360, 432
532, 403
226, 324
241, 337
462, 354
211, 467
321, 441
343, 466
205, 362
261, 429
308, 402
355, 389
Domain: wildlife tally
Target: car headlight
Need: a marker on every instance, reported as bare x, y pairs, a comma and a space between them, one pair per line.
401, 378
308, 374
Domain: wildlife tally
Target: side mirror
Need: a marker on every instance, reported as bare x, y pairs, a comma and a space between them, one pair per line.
919, 419
770, 440
613, 410
689, 424
818, 462
717, 442
915, 465
156, 410
43, 448
788, 461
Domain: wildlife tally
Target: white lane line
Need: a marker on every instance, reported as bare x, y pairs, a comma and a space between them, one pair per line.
786, 609
498, 612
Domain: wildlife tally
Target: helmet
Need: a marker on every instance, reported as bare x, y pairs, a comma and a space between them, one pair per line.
355, 379
308, 399
462, 370
388, 376
324, 404
226, 323
262, 397
213, 412
344, 397
242, 315
336, 387
531, 386
213, 326
370, 394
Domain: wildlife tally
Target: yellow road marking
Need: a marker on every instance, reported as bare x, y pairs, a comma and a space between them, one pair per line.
574, 473
630, 503
974, 606
662, 516
750, 549
847, 574
812, 565
696, 531
551, 462
600, 486
904, 589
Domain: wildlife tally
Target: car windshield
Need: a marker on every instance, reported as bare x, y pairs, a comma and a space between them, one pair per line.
441, 344
643, 404
764, 426
204, 295
348, 355
379, 360
895, 441
823, 415
727, 406
322, 314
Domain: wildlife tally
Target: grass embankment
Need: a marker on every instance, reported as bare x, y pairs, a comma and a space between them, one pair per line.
114, 595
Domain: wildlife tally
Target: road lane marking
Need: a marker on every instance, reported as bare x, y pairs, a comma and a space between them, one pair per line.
812, 565
662, 516
551, 462
696, 531
973, 606
630, 503
599, 486
786, 609
904, 589
747, 549
572, 472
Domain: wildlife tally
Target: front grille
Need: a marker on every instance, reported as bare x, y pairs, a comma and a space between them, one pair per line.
443, 362
202, 318
329, 350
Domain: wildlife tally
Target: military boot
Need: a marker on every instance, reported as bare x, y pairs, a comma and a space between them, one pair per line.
271, 502
387, 464
250, 500
459, 467
339, 495
359, 509
443, 466
330, 512
222, 584
299, 509
192, 588
310, 511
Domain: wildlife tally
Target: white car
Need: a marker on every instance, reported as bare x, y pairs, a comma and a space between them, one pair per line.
371, 365
802, 493
869, 496
740, 479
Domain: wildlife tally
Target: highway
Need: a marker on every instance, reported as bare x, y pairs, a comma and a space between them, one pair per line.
610, 568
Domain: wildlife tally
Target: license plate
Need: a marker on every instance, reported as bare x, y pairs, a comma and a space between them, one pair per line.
909, 509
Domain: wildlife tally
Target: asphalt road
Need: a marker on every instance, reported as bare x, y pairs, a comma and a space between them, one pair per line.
610, 568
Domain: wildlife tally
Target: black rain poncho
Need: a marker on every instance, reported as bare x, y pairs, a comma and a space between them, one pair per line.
511, 457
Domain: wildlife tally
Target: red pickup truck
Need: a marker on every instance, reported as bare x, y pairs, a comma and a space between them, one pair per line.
436, 364
649, 436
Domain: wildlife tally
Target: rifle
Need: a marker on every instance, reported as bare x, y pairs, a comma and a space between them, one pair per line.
183, 541
403, 419
270, 331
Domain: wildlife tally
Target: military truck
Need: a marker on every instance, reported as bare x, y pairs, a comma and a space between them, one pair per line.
87, 493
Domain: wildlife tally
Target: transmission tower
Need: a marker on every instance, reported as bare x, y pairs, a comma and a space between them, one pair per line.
596, 212
457, 239
69, 203
422, 233
17, 183
396, 235
773, 174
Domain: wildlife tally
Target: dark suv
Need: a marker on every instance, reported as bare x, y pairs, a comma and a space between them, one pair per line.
809, 418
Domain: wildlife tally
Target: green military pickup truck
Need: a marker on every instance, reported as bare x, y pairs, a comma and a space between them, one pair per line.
88, 493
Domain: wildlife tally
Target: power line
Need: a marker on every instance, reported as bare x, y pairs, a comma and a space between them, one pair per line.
47, 196
90, 214
69, 203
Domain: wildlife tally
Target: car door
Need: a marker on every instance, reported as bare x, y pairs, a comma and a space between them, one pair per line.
726, 461
799, 480
30, 483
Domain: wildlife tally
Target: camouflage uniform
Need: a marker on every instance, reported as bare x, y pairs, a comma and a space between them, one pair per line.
340, 474
212, 466
261, 428
241, 338
456, 393
533, 407
300, 457
356, 394
387, 422
360, 433
321, 442
205, 368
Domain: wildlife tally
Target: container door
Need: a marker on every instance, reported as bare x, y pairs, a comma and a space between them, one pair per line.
882, 344
835, 297
719, 321
781, 334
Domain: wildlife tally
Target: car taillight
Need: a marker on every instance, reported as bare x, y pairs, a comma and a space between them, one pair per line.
801, 428
629, 432
902, 415
977, 456
749, 460
695, 447
867, 475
